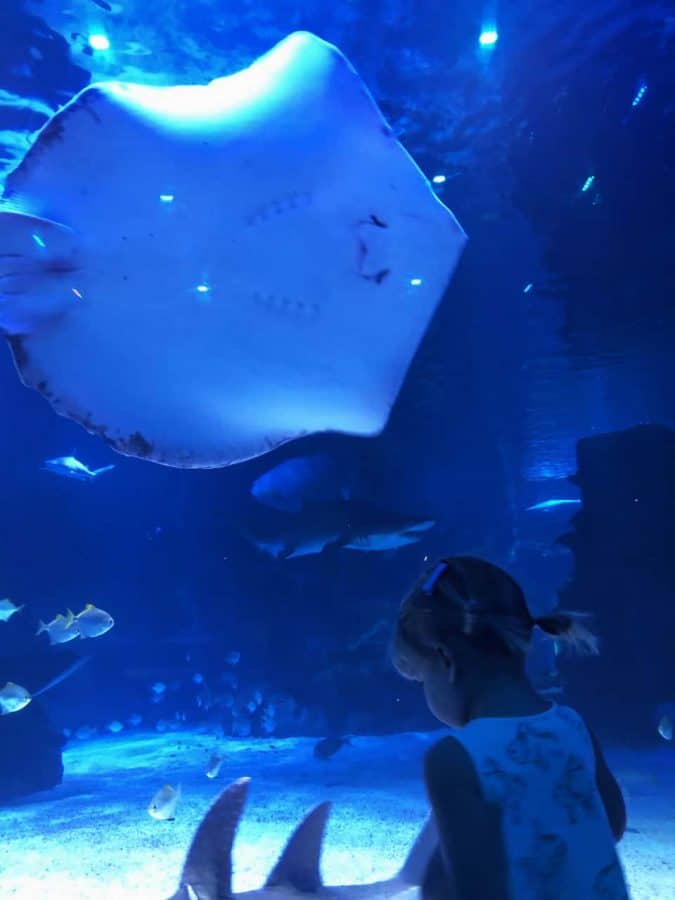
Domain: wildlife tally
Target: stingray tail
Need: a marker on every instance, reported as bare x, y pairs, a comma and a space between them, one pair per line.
37, 265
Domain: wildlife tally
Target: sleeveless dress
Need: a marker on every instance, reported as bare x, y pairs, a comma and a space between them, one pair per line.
540, 770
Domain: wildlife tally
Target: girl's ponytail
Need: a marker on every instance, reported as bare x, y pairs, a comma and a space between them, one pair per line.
568, 628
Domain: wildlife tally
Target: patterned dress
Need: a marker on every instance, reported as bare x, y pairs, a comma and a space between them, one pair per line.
541, 771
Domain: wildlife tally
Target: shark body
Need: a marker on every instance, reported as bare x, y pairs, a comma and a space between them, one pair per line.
341, 524
70, 467
207, 872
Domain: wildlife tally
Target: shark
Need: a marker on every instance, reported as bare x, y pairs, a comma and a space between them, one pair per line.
70, 467
207, 871
348, 525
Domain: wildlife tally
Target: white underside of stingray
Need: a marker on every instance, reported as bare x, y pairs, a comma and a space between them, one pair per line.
201, 273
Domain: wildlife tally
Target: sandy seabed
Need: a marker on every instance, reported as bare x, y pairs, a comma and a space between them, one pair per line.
92, 839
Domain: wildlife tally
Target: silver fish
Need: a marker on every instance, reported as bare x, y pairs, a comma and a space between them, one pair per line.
13, 698
61, 629
93, 622
8, 609
163, 804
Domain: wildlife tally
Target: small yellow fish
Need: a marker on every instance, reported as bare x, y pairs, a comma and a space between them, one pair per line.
7, 609
163, 804
213, 768
93, 622
666, 728
61, 629
13, 697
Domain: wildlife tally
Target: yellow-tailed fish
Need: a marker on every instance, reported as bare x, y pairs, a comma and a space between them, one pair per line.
93, 622
61, 629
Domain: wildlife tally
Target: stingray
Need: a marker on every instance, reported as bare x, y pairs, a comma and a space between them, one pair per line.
200, 273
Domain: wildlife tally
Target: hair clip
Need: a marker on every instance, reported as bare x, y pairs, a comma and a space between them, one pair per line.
432, 580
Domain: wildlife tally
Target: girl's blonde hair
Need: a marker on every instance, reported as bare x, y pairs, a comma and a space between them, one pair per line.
469, 597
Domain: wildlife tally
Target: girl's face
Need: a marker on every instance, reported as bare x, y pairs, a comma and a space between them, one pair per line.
445, 700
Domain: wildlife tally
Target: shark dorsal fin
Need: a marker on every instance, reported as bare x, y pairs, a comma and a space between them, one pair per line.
298, 865
417, 860
208, 867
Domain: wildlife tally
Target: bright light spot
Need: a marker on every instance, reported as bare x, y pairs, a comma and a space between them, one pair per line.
488, 37
38, 240
554, 504
637, 99
99, 42
439, 179
77, 293
415, 282
166, 198
203, 288
528, 288
587, 184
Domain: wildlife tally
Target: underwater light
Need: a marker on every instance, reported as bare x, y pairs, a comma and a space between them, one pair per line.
587, 184
439, 179
554, 504
99, 42
38, 240
637, 99
77, 293
415, 282
488, 37
203, 288
528, 288
166, 198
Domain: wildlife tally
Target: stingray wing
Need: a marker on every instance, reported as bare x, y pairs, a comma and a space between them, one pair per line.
251, 260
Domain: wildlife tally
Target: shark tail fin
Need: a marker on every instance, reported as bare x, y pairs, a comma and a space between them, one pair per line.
415, 866
103, 469
41, 627
207, 871
299, 865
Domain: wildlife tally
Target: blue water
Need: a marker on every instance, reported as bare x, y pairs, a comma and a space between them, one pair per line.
535, 427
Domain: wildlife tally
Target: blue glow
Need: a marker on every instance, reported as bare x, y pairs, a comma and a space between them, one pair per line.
203, 288
166, 198
439, 179
38, 240
99, 42
637, 99
587, 184
488, 37
553, 504
77, 293
415, 282
528, 288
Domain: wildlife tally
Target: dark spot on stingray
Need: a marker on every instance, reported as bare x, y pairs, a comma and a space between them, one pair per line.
103, 4
377, 221
378, 277
53, 131
135, 444
329, 746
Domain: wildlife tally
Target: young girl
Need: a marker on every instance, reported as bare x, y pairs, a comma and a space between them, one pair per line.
523, 801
